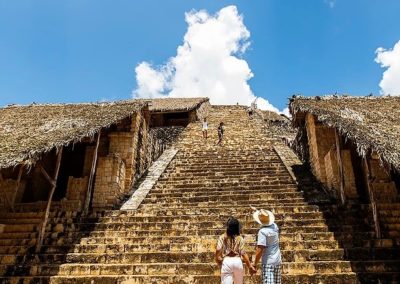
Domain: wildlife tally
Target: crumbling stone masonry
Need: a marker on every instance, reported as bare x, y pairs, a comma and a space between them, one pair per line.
324, 159
125, 162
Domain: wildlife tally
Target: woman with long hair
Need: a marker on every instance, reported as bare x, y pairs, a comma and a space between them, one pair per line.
230, 253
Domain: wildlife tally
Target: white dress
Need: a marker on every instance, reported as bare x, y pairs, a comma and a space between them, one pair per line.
205, 125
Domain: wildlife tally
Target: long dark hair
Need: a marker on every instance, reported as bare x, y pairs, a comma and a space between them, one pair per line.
232, 227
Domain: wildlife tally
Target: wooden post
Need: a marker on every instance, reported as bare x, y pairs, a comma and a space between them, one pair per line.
53, 182
340, 164
372, 199
21, 169
89, 192
46, 175
5, 194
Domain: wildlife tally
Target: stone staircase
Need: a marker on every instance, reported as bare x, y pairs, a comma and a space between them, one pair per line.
171, 237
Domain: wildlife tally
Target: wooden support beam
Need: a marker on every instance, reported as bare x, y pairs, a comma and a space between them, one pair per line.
46, 175
5, 194
21, 170
372, 199
47, 212
340, 164
89, 192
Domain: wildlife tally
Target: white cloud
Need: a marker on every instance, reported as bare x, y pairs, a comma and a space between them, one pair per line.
286, 112
390, 59
330, 3
207, 64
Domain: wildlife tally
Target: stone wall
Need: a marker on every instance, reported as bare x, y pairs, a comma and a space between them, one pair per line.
324, 159
77, 188
381, 183
122, 144
320, 139
124, 163
10, 193
332, 172
350, 187
161, 138
87, 165
109, 182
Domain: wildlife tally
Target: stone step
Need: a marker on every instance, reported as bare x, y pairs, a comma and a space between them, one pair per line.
388, 206
369, 242
17, 242
335, 278
212, 177
18, 235
312, 267
70, 238
15, 221
201, 218
372, 253
234, 195
201, 242
38, 215
195, 228
118, 247
214, 210
232, 183
266, 188
192, 204
294, 197
219, 159
376, 266
389, 214
9, 228
210, 169
257, 166
378, 278
125, 231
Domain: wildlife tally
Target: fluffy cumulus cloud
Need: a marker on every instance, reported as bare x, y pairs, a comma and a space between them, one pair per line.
390, 59
208, 63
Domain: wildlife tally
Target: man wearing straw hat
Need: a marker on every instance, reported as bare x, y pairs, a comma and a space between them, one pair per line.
268, 247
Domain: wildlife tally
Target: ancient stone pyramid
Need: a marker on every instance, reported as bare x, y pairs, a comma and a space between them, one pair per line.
171, 237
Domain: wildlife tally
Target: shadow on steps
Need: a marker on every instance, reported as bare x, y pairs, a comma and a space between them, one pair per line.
373, 260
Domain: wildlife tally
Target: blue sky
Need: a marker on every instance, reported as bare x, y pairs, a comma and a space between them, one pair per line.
77, 51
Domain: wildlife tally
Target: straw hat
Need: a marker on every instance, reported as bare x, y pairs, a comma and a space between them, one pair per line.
264, 217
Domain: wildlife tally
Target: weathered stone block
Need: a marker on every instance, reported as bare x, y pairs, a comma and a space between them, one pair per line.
384, 191
332, 171
350, 188
110, 180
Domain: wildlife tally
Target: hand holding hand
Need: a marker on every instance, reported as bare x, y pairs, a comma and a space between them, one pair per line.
253, 270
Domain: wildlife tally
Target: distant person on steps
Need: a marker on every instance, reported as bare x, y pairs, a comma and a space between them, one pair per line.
268, 247
230, 253
250, 112
220, 133
205, 128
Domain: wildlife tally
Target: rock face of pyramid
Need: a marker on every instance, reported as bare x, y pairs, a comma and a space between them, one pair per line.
171, 236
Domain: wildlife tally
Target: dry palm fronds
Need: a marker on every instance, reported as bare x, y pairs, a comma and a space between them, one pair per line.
372, 123
28, 131
175, 104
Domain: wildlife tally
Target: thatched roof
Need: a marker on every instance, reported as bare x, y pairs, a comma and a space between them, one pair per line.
372, 123
28, 131
268, 115
175, 104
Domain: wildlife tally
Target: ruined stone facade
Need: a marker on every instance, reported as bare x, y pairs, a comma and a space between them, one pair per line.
126, 150
166, 232
324, 159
